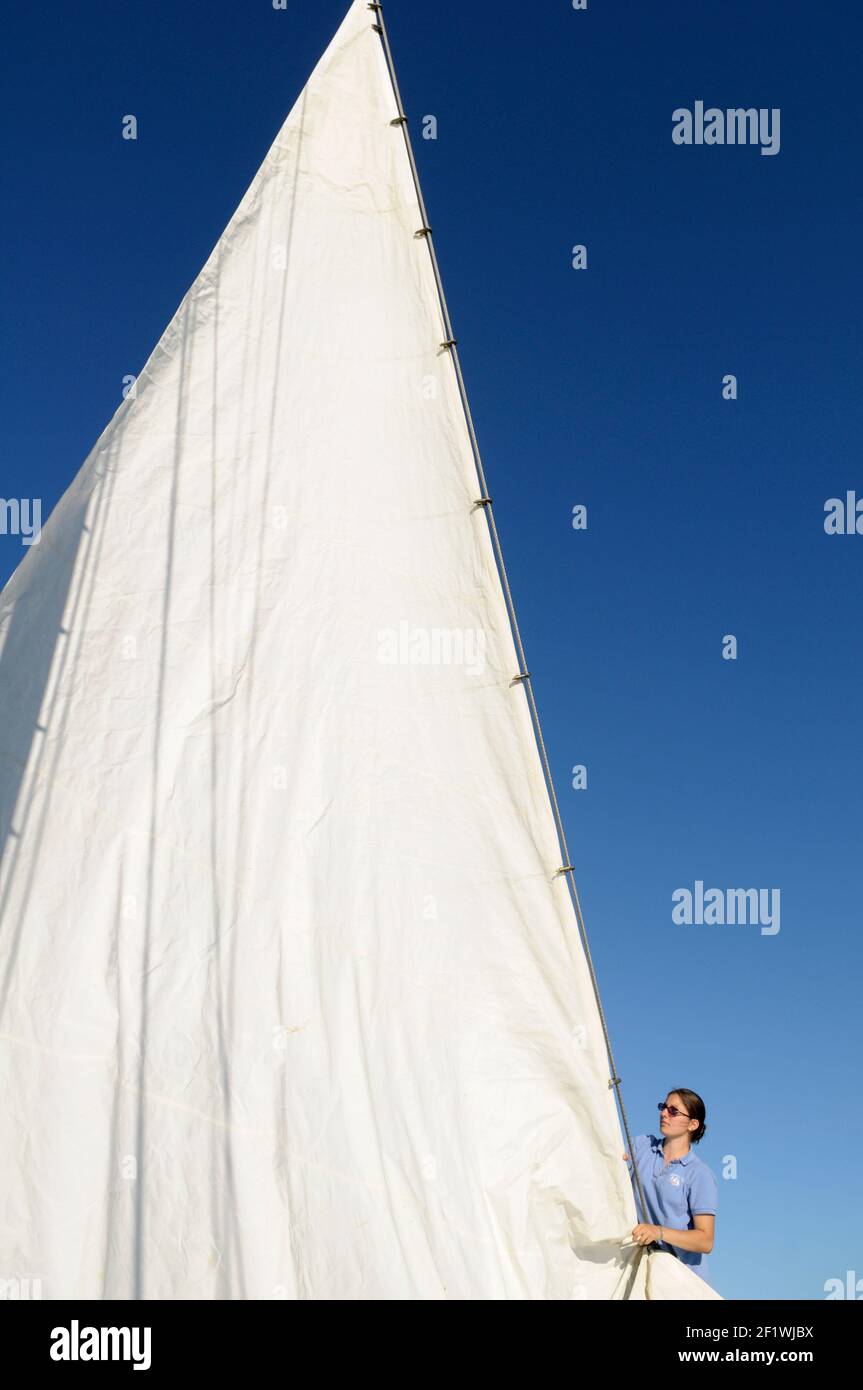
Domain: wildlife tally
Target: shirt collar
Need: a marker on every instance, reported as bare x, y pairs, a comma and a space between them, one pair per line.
658, 1148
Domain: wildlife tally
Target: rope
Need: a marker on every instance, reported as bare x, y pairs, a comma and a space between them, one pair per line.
524, 678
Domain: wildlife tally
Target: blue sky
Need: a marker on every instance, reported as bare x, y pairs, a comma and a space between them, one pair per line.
600, 387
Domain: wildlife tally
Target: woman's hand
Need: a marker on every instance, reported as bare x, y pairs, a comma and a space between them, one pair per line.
645, 1235
626, 1158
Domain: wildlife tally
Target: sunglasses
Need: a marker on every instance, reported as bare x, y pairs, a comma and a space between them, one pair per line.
672, 1110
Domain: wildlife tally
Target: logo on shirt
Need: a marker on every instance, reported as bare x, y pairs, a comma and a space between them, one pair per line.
674, 1180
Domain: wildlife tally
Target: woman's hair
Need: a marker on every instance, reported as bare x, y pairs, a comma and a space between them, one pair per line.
695, 1105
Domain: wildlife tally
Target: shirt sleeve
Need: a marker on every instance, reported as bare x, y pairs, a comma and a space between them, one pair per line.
703, 1194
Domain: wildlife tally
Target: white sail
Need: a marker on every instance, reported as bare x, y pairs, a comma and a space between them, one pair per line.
292, 997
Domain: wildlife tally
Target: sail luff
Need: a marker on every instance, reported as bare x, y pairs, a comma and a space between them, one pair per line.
524, 671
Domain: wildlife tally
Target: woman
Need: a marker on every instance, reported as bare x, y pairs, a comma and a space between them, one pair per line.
680, 1191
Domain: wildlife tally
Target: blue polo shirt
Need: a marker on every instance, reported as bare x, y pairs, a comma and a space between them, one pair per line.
675, 1192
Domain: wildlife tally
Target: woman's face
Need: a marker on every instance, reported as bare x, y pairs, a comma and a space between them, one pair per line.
675, 1125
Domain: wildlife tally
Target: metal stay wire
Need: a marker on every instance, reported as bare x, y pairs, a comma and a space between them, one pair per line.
524, 678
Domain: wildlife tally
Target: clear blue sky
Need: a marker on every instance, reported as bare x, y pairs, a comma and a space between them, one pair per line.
600, 387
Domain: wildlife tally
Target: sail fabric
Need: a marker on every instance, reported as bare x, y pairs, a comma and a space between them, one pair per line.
292, 999
668, 1279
